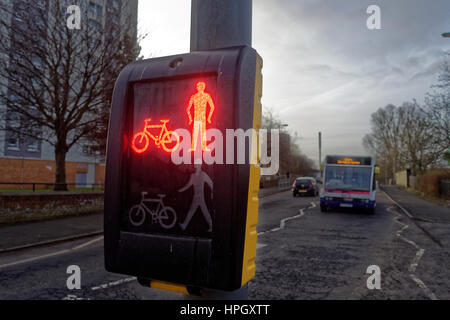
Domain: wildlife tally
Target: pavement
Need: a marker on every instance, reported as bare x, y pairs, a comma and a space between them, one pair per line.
432, 218
419, 208
24, 235
38, 233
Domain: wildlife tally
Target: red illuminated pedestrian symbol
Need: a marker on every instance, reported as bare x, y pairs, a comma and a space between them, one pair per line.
200, 100
168, 140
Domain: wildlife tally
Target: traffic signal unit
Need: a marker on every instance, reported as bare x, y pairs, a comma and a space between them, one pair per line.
182, 227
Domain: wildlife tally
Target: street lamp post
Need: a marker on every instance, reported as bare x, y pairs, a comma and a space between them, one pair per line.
284, 139
320, 153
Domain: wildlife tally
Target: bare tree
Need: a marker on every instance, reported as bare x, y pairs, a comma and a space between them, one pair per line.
291, 158
385, 138
418, 148
437, 110
58, 79
96, 139
401, 137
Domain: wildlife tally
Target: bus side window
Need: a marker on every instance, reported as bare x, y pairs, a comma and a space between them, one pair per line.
374, 184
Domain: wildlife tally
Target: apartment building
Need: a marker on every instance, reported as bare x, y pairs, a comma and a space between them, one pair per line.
27, 159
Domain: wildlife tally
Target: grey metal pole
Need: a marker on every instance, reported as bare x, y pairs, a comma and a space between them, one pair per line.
320, 152
220, 23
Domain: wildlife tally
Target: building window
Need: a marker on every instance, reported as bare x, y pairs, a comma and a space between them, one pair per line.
40, 23
18, 15
116, 4
115, 19
33, 145
13, 98
35, 83
41, 3
95, 25
37, 62
13, 142
87, 151
95, 10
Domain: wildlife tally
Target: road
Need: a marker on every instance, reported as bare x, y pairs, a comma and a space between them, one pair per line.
302, 254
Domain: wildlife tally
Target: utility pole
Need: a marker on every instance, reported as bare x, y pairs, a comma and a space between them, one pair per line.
219, 24
320, 153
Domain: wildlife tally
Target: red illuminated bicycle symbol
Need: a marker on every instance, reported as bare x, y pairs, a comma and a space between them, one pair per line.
168, 140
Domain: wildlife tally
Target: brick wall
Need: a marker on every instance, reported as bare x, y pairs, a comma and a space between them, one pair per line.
100, 170
19, 207
27, 170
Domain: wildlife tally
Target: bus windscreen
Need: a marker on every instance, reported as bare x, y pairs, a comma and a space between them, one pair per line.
348, 178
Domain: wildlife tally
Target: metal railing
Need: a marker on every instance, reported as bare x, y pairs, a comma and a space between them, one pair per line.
284, 183
51, 185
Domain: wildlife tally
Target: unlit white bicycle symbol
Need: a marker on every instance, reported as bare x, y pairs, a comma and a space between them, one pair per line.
166, 216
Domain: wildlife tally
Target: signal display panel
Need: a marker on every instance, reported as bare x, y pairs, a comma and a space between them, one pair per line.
159, 194
363, 161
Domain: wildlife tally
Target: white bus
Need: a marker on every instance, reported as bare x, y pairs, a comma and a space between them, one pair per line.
349, 182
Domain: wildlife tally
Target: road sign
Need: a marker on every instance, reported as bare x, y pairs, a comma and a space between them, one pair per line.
183, 226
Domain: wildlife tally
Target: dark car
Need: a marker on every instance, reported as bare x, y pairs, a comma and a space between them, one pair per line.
305, 186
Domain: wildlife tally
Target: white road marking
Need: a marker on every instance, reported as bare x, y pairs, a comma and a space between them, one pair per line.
34, 258
260, 245
422, 285
283, 222
403, 209
87, 243
114, 283
415, 262
72, 297
57, 253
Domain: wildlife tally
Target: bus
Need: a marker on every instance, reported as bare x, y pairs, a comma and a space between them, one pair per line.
349, 182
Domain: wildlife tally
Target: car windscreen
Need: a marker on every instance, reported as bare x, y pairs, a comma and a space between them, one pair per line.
299, 182
347, 178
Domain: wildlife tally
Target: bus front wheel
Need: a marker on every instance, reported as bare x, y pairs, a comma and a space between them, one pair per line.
323, 208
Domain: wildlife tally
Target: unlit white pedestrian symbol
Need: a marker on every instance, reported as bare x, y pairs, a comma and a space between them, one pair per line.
198, 180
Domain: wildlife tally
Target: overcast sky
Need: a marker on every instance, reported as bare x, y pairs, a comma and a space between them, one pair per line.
324, 70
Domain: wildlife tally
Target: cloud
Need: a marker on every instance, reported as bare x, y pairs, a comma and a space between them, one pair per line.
324, 70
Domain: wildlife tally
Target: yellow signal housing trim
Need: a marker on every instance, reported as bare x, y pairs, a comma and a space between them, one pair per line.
248, 265
168, 286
